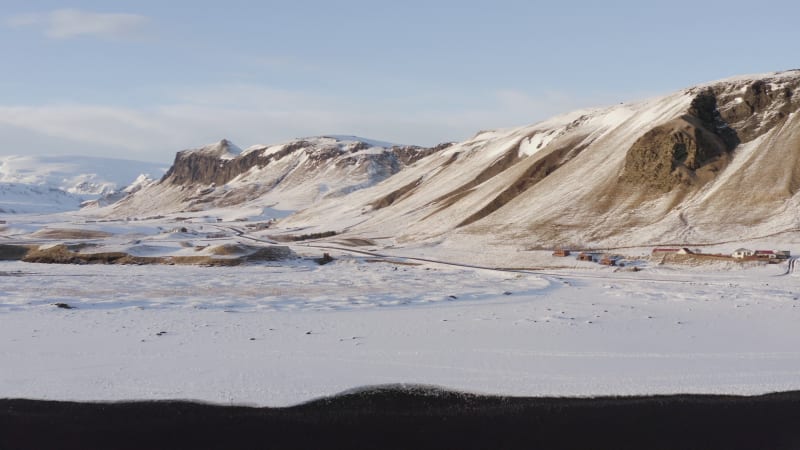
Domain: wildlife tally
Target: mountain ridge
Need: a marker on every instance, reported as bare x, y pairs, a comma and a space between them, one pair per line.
572, 188
286, 176
720, 159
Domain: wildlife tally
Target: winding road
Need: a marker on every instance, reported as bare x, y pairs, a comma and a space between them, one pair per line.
241, 233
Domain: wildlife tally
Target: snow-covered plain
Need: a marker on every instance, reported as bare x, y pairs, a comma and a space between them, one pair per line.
282, 333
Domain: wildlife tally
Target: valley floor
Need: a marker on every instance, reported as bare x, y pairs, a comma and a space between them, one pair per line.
279, 334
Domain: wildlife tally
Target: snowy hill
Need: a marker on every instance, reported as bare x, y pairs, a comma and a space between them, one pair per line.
30, 184
709, 163
283, 177
715, 162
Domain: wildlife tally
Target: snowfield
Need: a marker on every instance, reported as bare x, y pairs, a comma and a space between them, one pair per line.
442, 270
282, 333
39, 184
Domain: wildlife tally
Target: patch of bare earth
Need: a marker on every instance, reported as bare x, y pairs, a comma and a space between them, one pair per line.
61, 254
67, 233
355, 242
706, 260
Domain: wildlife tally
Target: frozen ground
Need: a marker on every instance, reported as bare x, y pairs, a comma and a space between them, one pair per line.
282, 334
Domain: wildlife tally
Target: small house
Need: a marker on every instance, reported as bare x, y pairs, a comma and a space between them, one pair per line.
607, 260
741, 253
685, 251
561, 252
765, 254
584, 256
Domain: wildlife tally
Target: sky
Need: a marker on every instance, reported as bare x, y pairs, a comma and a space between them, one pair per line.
143, 79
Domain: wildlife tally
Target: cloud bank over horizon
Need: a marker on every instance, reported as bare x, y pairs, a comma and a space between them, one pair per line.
250, 114
73, 23
145, 79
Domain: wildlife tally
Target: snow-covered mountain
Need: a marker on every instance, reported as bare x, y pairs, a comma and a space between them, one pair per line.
286, 177
710, 163
715, 162
30, 184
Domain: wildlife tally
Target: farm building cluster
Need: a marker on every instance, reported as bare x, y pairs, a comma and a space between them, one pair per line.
740, 254
598, 257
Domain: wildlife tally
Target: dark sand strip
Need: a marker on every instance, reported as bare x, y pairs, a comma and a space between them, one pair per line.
412, 418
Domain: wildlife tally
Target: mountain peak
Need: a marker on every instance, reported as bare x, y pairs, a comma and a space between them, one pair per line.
350, 138
223, 149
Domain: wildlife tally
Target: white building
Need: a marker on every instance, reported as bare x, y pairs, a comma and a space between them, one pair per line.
740, 253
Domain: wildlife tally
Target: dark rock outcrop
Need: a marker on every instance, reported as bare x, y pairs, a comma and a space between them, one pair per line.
206, 166
760, 107
683, 150
690, 150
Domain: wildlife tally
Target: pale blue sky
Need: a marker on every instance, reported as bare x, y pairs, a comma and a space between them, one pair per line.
141, 80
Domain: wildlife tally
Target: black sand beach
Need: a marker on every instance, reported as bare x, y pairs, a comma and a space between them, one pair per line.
412, 418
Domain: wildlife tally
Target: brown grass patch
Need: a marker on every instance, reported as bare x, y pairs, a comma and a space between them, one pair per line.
396, 195
61, 254
230, 249
68, 233
355, 242
301, 237
274, 253
510, 158
699, 259
537, 172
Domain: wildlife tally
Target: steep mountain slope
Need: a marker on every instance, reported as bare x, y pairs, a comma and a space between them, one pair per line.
62, 183
285, 177
712, 162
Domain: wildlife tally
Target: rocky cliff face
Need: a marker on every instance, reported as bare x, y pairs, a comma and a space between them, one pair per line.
292, 175
753, 107
686, 150
222, 162
691, 149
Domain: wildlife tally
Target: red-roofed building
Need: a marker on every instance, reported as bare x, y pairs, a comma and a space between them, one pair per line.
765, 254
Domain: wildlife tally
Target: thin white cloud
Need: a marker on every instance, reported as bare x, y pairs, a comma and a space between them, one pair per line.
250, 115
73, 23
95, 126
